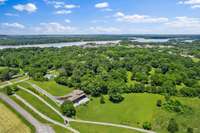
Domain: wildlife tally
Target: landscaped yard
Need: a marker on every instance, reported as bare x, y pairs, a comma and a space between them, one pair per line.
138, 108
10, 122
91, 128
53, 88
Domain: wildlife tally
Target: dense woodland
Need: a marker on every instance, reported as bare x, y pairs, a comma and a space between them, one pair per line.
111, 70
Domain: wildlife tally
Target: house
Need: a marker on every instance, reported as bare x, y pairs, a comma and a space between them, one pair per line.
77, 97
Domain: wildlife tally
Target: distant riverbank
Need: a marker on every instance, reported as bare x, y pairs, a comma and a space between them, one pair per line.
59, 45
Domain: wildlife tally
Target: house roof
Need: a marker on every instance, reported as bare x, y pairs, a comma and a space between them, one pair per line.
74, 95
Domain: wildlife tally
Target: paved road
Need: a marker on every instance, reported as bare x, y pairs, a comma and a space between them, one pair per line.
42, 100
113, 125
42, 91
10, 83
40, 128
90, 122
44, 116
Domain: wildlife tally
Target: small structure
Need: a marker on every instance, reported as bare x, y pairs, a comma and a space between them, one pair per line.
77, 97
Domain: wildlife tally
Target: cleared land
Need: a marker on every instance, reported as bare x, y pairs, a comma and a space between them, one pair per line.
90, 128
10, 122
53, 88
138, 108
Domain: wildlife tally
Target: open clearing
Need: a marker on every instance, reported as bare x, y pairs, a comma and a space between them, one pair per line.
53, 88
139, 108
10, 122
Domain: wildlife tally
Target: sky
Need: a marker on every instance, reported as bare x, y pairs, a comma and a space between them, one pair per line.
26, 17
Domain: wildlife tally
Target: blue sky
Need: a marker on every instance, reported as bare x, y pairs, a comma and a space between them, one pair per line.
100, 17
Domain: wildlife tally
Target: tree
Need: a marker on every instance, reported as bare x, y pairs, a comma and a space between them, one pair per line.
68, 109
9, 90
159, 103
147, 125
116, 97
102, 100
190, 130
172, 126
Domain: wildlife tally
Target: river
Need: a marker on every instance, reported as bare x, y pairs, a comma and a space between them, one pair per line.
58, 45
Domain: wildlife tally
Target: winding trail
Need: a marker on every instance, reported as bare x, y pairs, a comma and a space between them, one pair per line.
44, 116
40, 128
42, 91
112, 125
89, 122
10, 83
65, 118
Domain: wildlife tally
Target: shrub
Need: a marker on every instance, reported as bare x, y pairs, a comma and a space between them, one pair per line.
9, 90
190, 130
102, 100
159, 103
172, 126
147, 125
116, 97
68, 109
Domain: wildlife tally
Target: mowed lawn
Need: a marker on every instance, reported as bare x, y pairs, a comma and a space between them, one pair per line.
10, 122
91, 128
53, 88
40, 106
134, 110
138, 108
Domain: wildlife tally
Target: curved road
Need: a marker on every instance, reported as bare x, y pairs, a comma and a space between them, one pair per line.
89, 122
44, 116
40, 128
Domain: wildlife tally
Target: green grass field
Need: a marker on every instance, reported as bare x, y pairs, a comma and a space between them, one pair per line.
134, 110
91, 128
29, 87
53, 88
10, 122
40, 106
138, 108
56, 128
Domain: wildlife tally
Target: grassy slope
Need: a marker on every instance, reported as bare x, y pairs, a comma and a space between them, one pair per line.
28, 86
53, 88
57, 129
11, 121
40, 106
137, 108
90, 128
134, 110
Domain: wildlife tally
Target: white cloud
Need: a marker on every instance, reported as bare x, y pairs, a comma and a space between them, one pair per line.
29, 7
2, 1
12, 25
53, 28
102, 5
184, 23
104, 30
63, 12
11, 14
67, 21
71, 6
192, 3
135, 18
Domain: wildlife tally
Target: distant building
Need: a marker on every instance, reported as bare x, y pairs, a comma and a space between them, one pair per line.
50, 76
77, 97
